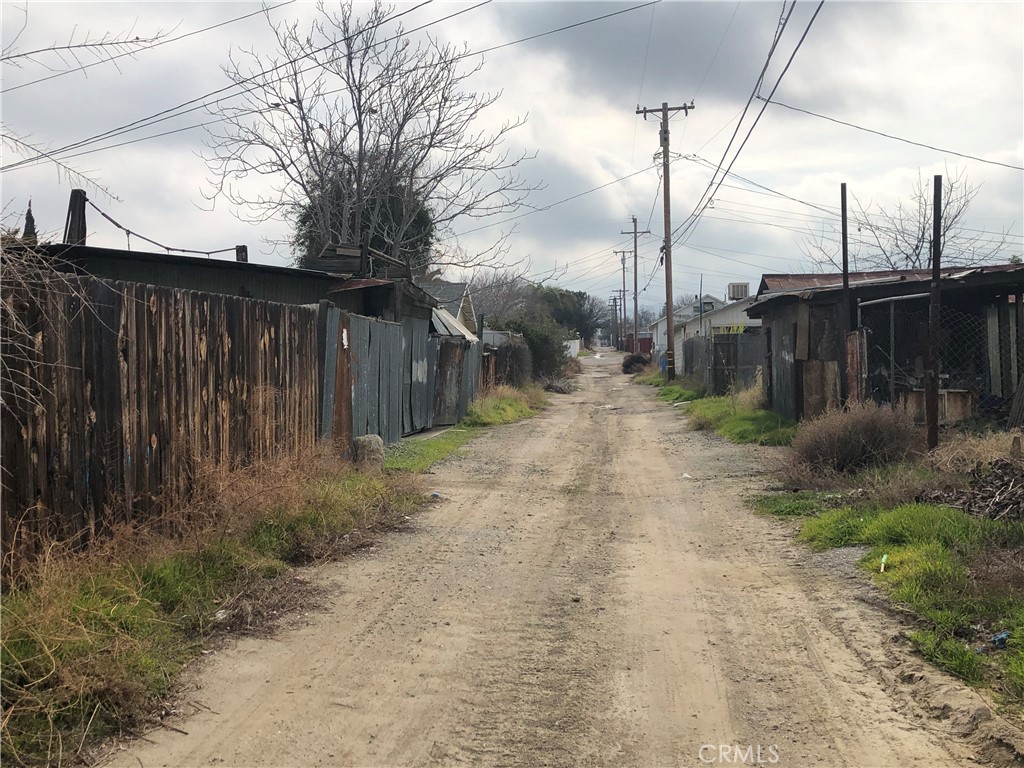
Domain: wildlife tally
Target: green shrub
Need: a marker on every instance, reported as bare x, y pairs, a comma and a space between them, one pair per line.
863, 435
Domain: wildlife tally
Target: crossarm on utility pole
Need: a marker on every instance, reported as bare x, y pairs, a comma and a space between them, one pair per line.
670, 365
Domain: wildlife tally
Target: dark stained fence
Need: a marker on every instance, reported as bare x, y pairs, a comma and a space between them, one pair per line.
126, 387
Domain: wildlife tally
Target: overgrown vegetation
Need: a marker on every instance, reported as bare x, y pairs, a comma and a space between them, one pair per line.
91, 642
862, 435
652, 377
864, 482
731, 417
499, 405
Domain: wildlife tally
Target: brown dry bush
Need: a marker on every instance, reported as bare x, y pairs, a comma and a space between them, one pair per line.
861, 436
962, 452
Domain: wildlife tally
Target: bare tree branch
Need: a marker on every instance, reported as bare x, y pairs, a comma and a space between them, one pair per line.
380, 144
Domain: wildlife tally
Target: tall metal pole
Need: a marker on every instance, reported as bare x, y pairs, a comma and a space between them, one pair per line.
670, 365
931, 392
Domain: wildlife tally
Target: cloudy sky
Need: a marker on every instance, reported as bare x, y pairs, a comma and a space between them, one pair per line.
950, 75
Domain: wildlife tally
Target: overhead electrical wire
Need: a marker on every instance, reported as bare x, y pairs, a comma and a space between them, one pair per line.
783, 22
688, 226
167, 113
157, 44
890, 136
167, 248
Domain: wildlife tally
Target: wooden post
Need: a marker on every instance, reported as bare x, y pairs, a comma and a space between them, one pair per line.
74, 227
931, 390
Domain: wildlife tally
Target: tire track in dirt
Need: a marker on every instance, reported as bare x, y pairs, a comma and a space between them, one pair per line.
590, 592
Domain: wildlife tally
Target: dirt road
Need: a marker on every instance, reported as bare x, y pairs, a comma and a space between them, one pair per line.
590, 592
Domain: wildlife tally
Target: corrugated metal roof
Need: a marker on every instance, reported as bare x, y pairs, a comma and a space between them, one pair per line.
799, 282
445, 324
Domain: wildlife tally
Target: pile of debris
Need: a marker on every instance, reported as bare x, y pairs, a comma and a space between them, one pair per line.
995, 491
559, 386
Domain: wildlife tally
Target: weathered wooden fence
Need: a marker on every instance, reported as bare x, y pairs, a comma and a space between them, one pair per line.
121, 388
118, 390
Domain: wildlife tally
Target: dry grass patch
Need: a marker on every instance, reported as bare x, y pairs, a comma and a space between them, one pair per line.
91, 642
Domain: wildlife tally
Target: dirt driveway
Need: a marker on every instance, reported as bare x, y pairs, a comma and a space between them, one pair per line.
591, 591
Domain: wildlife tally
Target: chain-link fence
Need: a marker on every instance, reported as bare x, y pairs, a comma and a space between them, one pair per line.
977, 348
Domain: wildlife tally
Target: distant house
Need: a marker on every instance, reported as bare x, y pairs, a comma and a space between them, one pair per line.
698, 306
810, 366
689, 310
454, 298
727, 318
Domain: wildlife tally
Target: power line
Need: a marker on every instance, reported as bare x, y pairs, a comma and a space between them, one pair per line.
107, 60
167, 248
890, 136
551, 205
719, 48
750, 131
643, 75
783, 21
164, 114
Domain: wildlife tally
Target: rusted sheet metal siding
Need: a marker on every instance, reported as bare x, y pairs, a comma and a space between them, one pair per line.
128, 387
448, 384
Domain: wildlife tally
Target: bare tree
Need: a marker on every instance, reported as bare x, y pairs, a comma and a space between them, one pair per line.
501, 295
899, 237
359, 134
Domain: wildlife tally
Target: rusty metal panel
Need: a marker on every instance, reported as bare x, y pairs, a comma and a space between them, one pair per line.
361, 373
449, 380
856, 364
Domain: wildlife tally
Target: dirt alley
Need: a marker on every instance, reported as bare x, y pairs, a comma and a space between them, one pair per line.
591, 591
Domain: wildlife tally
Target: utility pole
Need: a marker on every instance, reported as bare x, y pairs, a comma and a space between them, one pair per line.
614, 321
622, 306
670, 364
931, 382
636, 311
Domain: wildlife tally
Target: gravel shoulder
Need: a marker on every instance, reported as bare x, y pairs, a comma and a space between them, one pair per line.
589, 591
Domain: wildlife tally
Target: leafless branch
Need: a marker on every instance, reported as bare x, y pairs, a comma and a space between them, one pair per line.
378, 145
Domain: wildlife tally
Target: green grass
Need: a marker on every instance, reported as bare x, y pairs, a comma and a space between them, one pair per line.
652, 379
503, 405
728, 418
673, 393
798, 504
934, 566
492, 411
86, 654
92, 642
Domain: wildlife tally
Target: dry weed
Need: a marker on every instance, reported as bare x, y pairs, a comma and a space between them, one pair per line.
961, 452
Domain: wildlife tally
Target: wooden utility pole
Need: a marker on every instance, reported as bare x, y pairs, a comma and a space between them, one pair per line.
636, 311
622, 292
844, 321
931, 384
670, 364
615, 320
